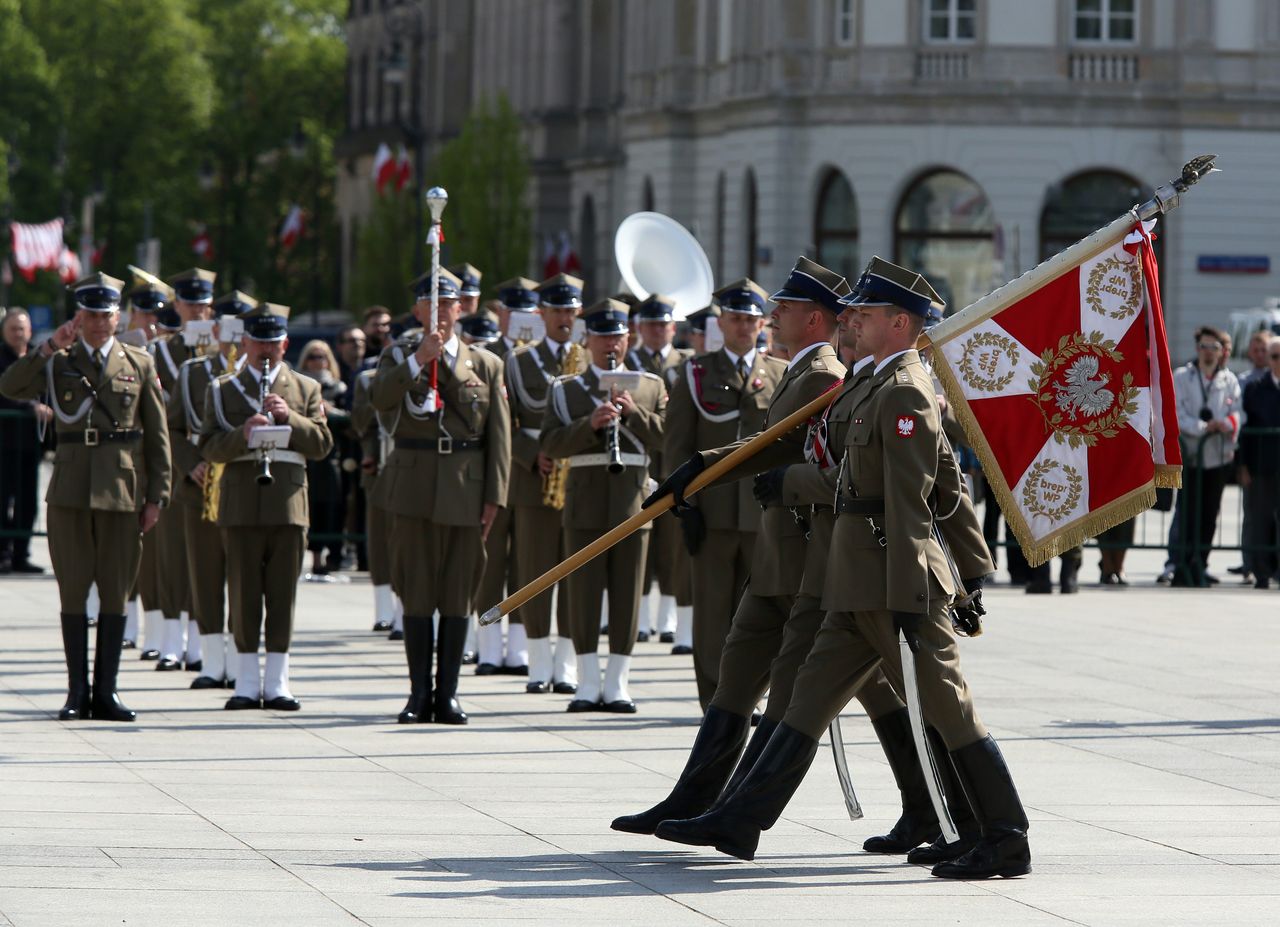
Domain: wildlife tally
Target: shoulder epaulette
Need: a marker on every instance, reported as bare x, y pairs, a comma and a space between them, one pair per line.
903, 376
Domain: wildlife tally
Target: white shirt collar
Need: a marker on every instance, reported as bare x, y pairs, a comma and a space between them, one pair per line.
861, 363
749, 358
661, 352
105, 349
451, 346
555, 347
803, 351
890, 359
271, 378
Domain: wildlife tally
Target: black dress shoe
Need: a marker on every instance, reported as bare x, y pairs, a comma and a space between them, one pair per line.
488, 669
642, 637
681, 650
582, 704
165, 665
1263, 583
242, 703
448, 711
469, 658
129, 645
667, 637
622, 706
91, 622
537, 687
149, 655
282, 703
27, 569
514, 670
941, 852
207, 682
381, 625
396, 636
195, 666
564, 688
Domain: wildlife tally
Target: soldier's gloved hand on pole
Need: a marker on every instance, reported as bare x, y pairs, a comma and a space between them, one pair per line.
967, 616
694, 528
768, 487
676, 483
908, 623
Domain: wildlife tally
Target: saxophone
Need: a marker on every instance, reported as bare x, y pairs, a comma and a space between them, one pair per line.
553, 484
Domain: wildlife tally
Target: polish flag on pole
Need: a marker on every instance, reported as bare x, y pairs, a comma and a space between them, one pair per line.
404, 169
36, 247
384, 168
293, 226
1063, 384
202, 244
69, 270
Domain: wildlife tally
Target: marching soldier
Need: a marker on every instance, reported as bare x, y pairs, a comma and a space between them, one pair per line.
596, 431
697, 322
655, 322
193, 290
886, 487
373, 444
445, 481
719, 398
110, 480
538, 487
263, 521
206, 559
469, 288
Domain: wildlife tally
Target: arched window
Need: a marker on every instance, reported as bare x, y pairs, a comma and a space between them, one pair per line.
587, 246
945, 230
749, 216
718, 269
835, 226
1083, 203
646, 196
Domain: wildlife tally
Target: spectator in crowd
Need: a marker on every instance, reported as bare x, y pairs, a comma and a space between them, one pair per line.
1259, 472
1259, 366
377, 330
1259, 343
20, 449
1113, 544
324, 485
352, 342
1210, 417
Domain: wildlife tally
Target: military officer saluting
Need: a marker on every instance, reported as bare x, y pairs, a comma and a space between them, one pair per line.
887, 577
263, 522
444, 483
536, 501
606, 435
719, 398
206, 559
110, 479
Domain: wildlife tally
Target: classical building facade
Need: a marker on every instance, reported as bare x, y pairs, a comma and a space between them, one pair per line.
967, 138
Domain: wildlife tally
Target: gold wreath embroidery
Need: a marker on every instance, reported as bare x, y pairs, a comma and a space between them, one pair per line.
980, 365
1044, 487
1079, 393
1116, 277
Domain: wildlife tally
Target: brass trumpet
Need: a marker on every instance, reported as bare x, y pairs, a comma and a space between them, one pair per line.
264, 453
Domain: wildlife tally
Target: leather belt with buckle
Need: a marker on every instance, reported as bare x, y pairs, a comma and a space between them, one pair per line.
441, 445
93, 437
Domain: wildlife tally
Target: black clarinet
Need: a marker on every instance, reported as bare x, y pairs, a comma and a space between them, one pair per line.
264, 455
613, 446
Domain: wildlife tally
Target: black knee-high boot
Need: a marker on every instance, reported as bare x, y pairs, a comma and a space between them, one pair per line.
755, 746
419, 643
75, 647
106, 665
919, 822
715, 749
957, 803
452, 639
1002, 850
734, 825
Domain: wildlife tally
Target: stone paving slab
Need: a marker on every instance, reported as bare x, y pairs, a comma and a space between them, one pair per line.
1142, 726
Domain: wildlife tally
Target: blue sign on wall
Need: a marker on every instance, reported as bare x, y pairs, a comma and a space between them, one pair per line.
41, 318
1233, 264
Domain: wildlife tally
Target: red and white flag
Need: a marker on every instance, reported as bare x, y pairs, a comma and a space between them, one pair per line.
69, 270
404, 169
36, 247
294, 225
384, 168
202, 244
1066, 394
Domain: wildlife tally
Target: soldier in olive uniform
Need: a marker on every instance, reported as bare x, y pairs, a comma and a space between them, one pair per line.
264, 524
110, 480
539, 545
719, 398
886, 488
581, 423
206, 559
194, 291
655, 324
445, 481
468, 287
374, 441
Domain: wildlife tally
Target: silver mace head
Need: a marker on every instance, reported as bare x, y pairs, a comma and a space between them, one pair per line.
437, 199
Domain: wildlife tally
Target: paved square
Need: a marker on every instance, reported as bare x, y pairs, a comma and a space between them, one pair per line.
1142, 727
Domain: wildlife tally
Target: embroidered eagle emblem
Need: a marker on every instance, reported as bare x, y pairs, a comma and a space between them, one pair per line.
1084, 391
906, 426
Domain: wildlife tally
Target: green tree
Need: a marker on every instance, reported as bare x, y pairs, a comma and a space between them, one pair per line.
486, 174
383, 261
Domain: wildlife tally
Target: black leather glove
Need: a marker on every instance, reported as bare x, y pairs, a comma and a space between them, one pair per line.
677, 482
909, 624
693, 526
768, 487
966, 617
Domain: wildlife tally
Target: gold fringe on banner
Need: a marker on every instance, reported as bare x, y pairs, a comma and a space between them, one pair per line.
1168, 476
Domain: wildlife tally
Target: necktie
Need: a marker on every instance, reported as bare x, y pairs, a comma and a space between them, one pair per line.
742, 369
97, 360
560, 359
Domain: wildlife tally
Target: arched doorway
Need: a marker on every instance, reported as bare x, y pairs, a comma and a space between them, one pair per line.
945, 229
835, 226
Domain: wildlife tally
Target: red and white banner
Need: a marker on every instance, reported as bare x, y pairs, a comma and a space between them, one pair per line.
202, 244
293, 226
384, 168
1066, 394
404, 169
36, 247
69, 270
